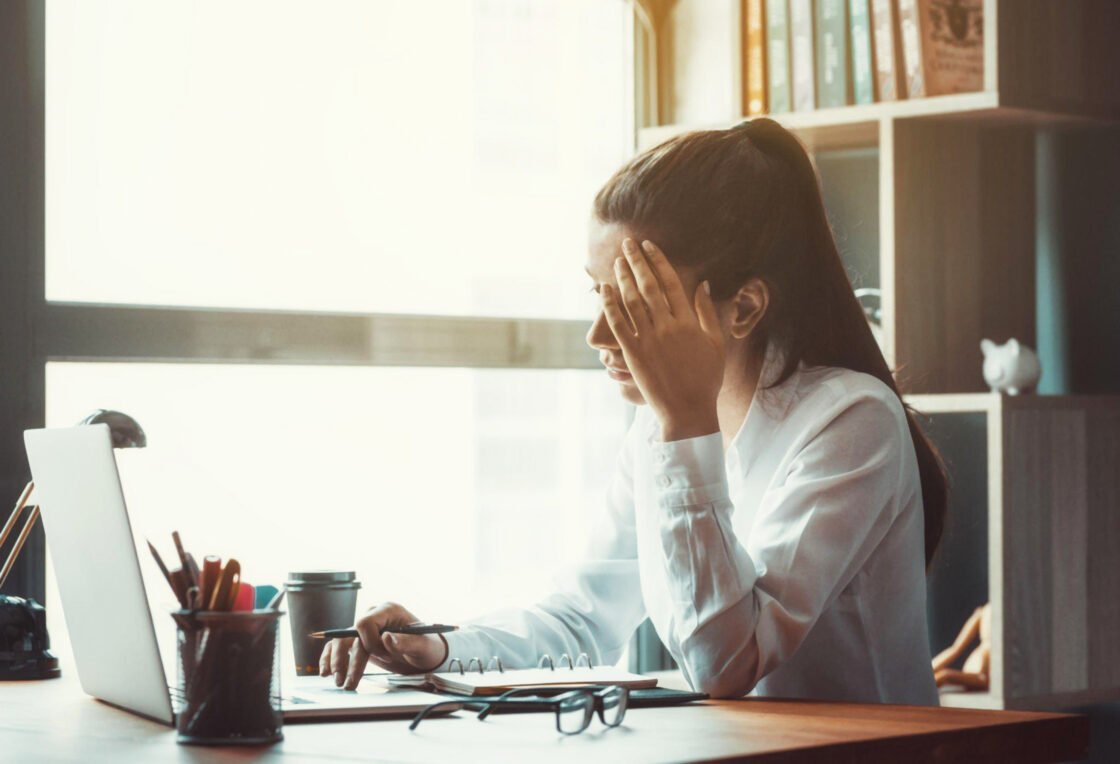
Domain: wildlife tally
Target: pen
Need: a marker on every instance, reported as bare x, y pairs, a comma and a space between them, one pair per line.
416, 628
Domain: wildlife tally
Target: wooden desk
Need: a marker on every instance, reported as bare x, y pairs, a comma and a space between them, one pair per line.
54, 721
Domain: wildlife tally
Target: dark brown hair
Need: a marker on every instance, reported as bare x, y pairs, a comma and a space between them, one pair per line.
745, 203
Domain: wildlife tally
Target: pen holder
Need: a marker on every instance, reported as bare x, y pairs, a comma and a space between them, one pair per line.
228, 677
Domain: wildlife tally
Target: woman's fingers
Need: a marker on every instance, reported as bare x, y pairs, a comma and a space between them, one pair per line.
358, 660
374, 642
325, 659
616, 317
369, 627
340, 659
631, 297
647, 281
670, 280
706, 310
423, 652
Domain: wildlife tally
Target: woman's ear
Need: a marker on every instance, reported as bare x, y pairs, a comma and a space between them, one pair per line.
748, 307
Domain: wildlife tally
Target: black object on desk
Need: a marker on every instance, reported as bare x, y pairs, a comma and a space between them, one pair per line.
228, 691
24, 644
412, 628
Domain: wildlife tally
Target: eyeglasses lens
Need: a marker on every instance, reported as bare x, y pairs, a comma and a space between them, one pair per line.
574, 714
614, 706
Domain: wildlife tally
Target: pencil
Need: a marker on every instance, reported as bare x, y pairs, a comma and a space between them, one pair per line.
416, 628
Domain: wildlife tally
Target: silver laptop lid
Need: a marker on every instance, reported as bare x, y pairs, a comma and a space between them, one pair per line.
99, 581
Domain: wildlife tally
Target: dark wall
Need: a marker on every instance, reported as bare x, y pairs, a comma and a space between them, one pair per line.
1079, 296
21, 269
1078, 270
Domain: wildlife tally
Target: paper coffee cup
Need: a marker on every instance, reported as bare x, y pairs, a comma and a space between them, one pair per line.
318, 600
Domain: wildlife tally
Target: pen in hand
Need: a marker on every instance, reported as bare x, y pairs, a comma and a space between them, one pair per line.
416, 628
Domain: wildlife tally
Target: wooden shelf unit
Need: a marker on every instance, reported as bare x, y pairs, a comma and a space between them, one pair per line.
950, 203
1053, 539
956, 172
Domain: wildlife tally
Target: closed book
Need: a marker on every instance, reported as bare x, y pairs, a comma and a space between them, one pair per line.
863, 73
952, 43
756, 57
777, 56
801, 65
832, 53
888, 50
911, 37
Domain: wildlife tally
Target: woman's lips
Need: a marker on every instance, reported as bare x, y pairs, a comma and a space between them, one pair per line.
618, 374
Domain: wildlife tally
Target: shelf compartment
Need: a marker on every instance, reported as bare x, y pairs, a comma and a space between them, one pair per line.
957, 580
1053, 536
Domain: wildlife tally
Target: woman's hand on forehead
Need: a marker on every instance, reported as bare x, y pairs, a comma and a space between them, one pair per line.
671, 341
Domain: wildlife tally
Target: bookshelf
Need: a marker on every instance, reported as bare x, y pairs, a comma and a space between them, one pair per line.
950, 185
941, 159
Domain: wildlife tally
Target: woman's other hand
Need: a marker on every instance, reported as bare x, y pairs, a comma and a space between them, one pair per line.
672, 343
346, 659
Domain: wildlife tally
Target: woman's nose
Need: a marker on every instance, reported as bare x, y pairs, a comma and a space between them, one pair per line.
600, 336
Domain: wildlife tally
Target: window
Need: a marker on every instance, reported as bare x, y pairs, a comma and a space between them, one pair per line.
382, 156
330, 256
451, 490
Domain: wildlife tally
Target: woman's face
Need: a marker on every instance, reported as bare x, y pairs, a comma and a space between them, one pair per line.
604, 247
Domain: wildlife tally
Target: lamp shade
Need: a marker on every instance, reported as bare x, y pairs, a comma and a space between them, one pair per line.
126, 431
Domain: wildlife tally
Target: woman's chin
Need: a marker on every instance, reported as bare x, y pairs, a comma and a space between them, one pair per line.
631, 393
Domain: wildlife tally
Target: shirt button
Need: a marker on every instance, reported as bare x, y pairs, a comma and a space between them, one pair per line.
662, 457
664, 481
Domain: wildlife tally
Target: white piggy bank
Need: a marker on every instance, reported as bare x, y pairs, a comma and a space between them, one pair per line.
1010, 367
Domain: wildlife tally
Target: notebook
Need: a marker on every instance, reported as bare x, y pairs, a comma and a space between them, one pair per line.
472, 679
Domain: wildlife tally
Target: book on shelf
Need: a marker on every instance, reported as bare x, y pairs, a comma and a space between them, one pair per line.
913, 73
863, 73
801, 44
833, 83
777, 56
755, 57
888, 51
942, 46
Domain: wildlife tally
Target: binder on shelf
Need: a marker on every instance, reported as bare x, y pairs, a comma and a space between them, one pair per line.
777, 56
863, 74
755, 58
888, 50
833, 83
801, 45
472, 678
910, 37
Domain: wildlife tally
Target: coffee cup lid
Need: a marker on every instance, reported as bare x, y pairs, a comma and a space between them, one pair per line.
321, 577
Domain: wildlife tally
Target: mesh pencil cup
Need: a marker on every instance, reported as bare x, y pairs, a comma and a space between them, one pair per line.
228, 690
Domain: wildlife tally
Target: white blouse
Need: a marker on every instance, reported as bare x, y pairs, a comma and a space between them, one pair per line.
790, 566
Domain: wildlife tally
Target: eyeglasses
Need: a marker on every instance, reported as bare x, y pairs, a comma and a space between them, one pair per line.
573, 708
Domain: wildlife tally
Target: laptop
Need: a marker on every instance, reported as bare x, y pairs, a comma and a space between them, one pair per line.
103, 597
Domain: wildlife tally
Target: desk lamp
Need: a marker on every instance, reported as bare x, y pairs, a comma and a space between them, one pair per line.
24, 642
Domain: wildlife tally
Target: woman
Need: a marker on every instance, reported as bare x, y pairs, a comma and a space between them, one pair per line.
774, 505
